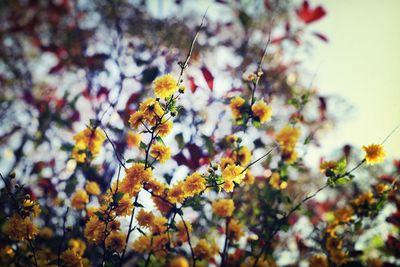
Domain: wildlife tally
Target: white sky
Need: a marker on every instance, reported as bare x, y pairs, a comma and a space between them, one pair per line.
361, 63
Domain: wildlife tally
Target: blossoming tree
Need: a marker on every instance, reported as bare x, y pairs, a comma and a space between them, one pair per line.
131, 139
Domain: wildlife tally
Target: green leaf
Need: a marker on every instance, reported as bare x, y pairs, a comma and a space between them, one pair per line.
159, 139
179, 140
343, 180
67, 147
137, 204
141, 231
143, 145
118, 196
130, 160
99, 214
256, 123
341, 166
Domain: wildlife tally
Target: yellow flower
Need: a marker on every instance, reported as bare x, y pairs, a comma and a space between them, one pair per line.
194, 184
243, 156
94, 230
275, 181
182, 235
159, 225
145, 218
236, 105
124, 206
77, 245
136, 119
116, 241
152, 110
288, 137
225, 161
366, 198
318, 260
165, 86
46, 232
249, 178
134, 178
327, 165
261, 111
18, 228
231, 138
142, 244
235, 229
164, 128
32, 208
177, 193
133, 139
205, 250
344, 214
160, 152
223, 207
71, 259
179, 262
79, 199
163, 206
92, 188
89, 140
232, 173
374, 153
156, 187
381, 188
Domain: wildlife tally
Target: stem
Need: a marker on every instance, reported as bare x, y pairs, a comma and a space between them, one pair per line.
189, 242
226, 244
62, 239
33, 250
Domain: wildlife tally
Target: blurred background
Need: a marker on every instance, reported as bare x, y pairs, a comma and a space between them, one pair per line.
361, 63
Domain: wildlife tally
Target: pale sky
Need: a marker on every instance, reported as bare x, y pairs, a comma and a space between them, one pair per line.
361, 63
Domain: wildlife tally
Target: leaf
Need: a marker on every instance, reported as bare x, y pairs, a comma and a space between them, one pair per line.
309, 15
159, 139
118, 196
343, 180
149, 75
193, 86
99, 215
179, 140
208, 77
130, 160
321, 36
137, 204
341, 166
143, 145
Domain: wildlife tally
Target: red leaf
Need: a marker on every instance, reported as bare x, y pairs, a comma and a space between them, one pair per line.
308, 15
322, 108
56, 68
192, 84
321, 36
208, 76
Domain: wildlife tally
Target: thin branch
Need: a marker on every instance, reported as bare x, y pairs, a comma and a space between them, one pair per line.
115, 150
189, 242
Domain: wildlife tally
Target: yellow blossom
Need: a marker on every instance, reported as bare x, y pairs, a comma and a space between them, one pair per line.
89, 140
203, 250
223, 207
71, 259
232, 173
152, 110
116, 241
225, 161
18, 228
77, 245
94, 230
243, 156
182, 234
231, 138
235, 229
133, 139
79, 199
134, 178
165, 86
194, 184
374, 153
164, 128
145, 218
288, 137
46, 232
318, 260
92, 188
160, 152
177, 193
236, 105
155, 186
136, 119
159, 225
142, 244
179, 262
261, 111
327, 165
